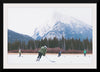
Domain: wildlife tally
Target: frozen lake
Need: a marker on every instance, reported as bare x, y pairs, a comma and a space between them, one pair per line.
50, 59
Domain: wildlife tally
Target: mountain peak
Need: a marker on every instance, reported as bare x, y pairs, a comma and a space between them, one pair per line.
62, 18
60, 24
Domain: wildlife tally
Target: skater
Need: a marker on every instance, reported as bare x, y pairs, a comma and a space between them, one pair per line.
41, 52
59, 53
84, 52
19, 52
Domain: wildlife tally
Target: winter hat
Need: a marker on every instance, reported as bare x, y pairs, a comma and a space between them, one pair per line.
45, 46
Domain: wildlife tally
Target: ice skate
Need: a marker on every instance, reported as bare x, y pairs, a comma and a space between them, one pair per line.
38, 59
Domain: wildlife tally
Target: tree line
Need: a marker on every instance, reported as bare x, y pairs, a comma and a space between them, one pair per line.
63, 43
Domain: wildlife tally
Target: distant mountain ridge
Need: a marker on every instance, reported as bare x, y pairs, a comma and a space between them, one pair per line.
12, 36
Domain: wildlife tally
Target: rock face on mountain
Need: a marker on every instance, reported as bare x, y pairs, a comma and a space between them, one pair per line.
61, 25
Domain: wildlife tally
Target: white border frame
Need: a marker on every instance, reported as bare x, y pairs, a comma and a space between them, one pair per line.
47, 5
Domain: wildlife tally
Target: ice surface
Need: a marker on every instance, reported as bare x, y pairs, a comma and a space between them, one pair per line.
63, 59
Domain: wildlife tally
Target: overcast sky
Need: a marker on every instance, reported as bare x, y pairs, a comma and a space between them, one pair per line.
25, 20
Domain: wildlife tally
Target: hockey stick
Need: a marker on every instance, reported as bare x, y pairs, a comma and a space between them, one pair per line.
49, 59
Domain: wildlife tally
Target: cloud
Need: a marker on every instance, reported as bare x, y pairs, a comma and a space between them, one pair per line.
25, 20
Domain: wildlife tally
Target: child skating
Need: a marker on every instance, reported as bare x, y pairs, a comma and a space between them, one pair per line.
84, 52
59, 53
41, 52
19, 52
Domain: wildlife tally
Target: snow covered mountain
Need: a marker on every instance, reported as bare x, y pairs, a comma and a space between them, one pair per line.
67, 26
